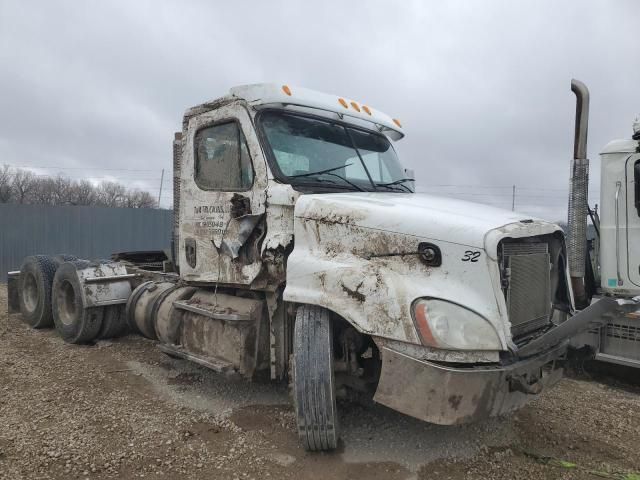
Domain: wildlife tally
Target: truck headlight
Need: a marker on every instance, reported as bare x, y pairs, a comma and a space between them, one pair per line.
449, 326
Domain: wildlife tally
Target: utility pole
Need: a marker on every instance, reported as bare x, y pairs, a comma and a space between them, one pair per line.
162, 181
513, 199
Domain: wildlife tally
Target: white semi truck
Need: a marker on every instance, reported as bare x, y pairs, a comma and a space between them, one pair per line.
302, 253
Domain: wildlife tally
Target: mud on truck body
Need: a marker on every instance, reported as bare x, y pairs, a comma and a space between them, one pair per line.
302, 253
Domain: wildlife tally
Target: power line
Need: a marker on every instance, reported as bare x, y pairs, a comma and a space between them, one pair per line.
168, 180
510, 195
450, 185
84, 168
105, 177
497, 186
492, 198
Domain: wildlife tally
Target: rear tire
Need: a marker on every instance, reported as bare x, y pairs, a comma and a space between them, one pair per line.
63, 257
114, 323
74, 322
34, 290
313, 379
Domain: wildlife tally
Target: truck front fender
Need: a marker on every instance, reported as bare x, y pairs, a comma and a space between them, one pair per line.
371, 278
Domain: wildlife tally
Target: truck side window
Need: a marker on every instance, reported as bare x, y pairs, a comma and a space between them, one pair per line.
222, 159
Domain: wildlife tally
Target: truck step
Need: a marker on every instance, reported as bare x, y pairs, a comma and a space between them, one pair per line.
617, 359
213, 363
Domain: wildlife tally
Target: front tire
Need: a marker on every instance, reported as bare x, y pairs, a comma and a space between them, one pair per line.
313, 379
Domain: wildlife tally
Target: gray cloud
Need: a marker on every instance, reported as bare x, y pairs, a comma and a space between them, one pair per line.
481, 87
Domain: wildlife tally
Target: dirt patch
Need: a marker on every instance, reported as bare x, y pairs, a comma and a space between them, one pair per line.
122, 409
355, 294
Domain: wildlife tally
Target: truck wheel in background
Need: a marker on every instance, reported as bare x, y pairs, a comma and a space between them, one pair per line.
114, 323
34, 290
313, 379
63, 257
73, 320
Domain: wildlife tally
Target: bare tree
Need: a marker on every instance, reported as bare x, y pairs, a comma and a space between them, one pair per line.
43, 192
63, 190
111, 194
23, 185
145, 200
140, 199
5, 184
83, 193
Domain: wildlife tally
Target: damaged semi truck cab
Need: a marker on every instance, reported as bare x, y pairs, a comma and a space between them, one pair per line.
303, 253
423, 301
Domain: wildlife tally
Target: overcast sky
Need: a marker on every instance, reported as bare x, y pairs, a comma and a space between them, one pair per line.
96, 89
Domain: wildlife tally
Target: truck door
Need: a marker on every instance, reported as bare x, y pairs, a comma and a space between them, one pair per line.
223, 181
631, 218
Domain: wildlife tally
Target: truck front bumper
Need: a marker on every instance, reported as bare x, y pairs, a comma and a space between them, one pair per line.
447, 395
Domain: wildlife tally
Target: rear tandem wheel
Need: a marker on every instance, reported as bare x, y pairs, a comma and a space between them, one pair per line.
74, 321
34, 290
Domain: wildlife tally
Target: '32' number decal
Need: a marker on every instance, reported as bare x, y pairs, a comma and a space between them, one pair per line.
471, 256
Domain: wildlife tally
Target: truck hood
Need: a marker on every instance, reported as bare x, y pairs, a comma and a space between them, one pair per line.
421, 215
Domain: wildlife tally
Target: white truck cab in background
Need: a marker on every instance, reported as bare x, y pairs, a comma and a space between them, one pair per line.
615, 253
620, 217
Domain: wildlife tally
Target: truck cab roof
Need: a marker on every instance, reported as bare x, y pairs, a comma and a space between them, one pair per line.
626, 145
263, 95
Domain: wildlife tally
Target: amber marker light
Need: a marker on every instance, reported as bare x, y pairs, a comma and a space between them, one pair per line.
397, 122
420, 315
343, 102
286, 89
366, 109
355, 106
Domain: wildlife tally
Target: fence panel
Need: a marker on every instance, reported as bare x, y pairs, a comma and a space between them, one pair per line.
87, 232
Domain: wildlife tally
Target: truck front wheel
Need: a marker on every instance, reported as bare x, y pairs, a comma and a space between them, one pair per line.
313, 379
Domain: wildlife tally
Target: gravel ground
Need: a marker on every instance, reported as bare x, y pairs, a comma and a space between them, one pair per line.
122, 409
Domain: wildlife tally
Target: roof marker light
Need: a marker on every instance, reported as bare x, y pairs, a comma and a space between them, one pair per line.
286, 89
397, 122
366, 109
343, 102
355, 106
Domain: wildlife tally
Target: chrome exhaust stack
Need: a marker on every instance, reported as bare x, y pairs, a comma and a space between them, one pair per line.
578, 196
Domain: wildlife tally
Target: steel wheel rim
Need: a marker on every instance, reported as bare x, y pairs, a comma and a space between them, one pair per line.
66, 303
30, 293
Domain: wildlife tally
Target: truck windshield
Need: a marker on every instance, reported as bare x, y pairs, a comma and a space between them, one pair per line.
309, 151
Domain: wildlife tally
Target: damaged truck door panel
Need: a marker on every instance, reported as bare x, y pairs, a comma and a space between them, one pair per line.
223, 192
302, 254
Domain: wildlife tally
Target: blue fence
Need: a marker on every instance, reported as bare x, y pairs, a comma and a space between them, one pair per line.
87, 232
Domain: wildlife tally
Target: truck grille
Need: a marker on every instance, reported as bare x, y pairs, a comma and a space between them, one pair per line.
528, 285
